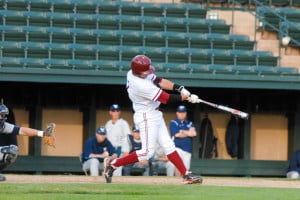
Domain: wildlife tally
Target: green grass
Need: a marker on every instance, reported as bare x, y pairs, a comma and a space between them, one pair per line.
22, 191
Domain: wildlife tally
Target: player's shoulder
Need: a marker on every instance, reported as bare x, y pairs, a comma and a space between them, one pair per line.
174, 122
123, 121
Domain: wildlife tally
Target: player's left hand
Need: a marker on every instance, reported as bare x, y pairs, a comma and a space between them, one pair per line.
194, 99
49, 137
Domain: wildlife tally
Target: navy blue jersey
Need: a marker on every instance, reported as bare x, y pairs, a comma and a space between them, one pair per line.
182, 143
92, 146
134, 144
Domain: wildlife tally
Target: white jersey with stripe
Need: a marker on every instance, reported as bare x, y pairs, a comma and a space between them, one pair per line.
143, 92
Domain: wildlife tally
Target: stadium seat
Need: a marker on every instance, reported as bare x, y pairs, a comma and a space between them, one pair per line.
128, 22
106, 21
56, 46
8, 28
129, 8
195, 11
292, 29
287, 70
10, 62
219, 69
56, 63
32, 45
10, 45
35, 15
242, 69
123, 65
81, 31
130, 37
80, 47
149, 23
104, 65
264, 70
280, 3
295, 3
32, 62
152, 9
107, 7
80, 64
174, 67
34, 29
219, 56
197, 68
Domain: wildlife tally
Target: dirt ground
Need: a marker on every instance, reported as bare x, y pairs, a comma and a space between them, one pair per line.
210, 181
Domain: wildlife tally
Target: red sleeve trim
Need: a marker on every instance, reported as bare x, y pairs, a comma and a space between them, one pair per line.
163, 97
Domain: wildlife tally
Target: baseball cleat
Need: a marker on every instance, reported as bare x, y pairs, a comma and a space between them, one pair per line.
191, 178
2, 177
49, 129
108, 169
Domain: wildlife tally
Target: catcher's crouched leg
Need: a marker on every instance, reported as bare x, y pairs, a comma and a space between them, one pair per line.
8, 155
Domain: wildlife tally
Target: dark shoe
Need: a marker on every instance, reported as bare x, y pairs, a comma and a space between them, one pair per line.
190, 178
2, 177
108, 169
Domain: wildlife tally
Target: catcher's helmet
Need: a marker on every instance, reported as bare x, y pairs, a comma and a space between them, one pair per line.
140, 64
3, 110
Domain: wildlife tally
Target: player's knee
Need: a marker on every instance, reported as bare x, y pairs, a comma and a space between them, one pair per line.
8, 155
169, 148
94, 161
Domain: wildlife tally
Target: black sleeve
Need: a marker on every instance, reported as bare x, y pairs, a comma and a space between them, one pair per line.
177, 87
157, 80
174, 98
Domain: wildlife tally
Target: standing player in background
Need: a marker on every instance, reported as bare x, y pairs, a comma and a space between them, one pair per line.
8, 153
182, 132
146, 92
117, 131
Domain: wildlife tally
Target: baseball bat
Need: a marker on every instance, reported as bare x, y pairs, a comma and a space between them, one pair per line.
236, 112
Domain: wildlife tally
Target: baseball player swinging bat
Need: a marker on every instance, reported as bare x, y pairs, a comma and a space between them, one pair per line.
238, 113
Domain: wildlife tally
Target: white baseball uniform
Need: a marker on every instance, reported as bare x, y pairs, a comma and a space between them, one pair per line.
116, 134
147, 117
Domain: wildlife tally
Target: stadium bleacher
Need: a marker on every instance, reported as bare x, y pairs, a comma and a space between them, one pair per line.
93, 35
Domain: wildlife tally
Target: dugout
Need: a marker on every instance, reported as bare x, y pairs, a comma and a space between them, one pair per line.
268, 136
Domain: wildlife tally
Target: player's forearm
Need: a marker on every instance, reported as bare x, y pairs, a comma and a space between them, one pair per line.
181, 134
191, 132
166, 84
30, 132
103, 155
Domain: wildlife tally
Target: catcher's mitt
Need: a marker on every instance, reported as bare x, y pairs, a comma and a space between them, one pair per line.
49, 137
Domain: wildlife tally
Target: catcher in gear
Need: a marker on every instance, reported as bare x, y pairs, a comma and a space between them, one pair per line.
8, 154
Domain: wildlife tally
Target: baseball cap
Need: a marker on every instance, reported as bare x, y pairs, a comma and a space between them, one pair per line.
135, 129
101, 130
114, 107
181, 108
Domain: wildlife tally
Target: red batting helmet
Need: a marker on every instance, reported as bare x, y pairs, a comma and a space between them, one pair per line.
140, 64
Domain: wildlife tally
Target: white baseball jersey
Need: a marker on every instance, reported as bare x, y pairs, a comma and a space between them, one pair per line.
142, 92
117, 132
144, 95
